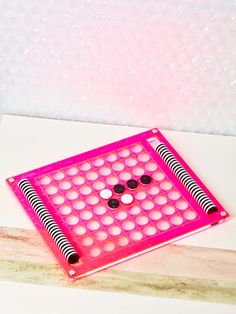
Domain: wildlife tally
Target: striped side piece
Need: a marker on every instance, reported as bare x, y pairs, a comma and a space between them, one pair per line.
46, 218
191, 185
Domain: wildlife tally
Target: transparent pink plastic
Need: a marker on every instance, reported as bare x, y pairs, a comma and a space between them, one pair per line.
161, 212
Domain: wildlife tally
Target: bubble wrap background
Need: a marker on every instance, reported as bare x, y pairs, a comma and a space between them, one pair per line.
170, 64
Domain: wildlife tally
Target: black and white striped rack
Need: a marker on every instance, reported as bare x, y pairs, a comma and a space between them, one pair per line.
49, 223
191, 185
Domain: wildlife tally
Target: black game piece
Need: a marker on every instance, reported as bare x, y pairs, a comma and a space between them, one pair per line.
113, 203
145, 179
119, 188
132, 184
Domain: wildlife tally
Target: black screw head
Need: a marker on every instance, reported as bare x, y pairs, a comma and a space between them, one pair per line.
132, 184
145, 179
119, 188
113, 203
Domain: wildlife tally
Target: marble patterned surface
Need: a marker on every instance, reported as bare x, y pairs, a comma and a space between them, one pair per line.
176, 271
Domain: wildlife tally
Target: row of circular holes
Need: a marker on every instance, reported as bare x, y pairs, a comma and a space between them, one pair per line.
134, 210
98, 185
72, 195
135, 235
128, 225
106, 171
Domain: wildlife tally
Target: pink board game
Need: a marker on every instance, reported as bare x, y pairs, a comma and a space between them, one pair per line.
115, 202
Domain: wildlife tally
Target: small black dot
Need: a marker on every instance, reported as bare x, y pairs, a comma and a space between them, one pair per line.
119, 188
132, 184
113, 203
145, 179
74, 258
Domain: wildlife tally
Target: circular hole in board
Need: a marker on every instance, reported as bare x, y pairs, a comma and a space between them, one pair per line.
98, 162
141, 220
189, 214
173, 195
107, 220
104, 171
99, 210
92, 200
176, 220
149, 230
85, 190
72, 171
114, 230
181, 204
111, 157
78, 205
125, 176
151, 166
91, 175
121, 215
93, 225
58, 200
87, 241
78, 180
166, 185
153, 190
155, 215
98, 185
51, 190
135, 235
160, 200
112, 180
138, 171
136, 148
100, 236
86, 215
168, 210
72, 220
147, 205
163, 225
109, 246
118, 166
158, 176
128, 225
124, 152
65, 185
71, 195
79, 230
85, 166
135, 210
140, 195
58, 176
143, 157
131, 162
65, 210
94, 252
123, 241
45, 180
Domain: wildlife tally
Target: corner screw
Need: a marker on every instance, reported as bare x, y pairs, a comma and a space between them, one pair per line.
11, 180
223, 214
154, 131
71, 272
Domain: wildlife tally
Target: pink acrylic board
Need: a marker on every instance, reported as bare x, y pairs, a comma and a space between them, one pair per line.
69, 202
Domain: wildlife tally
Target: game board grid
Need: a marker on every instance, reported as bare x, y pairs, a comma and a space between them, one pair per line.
96, 243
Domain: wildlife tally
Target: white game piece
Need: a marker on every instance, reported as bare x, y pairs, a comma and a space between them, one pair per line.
106, 194
127, 199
